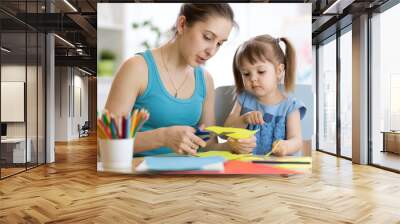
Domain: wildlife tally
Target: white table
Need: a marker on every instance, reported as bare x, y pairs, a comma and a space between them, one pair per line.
18, 149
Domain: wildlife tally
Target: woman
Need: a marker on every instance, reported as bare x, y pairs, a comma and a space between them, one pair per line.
177, 92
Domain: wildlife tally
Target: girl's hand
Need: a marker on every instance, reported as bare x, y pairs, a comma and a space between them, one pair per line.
242, 146
182, 139
253, 117
279, 148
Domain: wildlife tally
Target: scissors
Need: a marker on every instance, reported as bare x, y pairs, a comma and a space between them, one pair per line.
225, 134
205, 135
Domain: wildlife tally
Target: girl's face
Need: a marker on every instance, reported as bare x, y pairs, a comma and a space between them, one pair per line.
260, 78
202, 40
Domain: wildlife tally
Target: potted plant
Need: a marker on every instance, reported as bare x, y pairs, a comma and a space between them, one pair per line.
107, 63
156, 34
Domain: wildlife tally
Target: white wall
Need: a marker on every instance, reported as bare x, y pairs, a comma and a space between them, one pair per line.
33, 126
280, 20
14, 73
80, 84
61, 103
67, 115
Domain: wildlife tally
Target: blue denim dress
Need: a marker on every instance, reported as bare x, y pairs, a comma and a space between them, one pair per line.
275, 118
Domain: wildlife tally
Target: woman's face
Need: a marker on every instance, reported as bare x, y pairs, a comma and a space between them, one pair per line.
201, 41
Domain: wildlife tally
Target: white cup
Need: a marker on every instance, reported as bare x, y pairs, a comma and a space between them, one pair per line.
116, 153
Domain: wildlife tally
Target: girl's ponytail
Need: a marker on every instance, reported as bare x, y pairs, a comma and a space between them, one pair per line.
290, 65
236, 73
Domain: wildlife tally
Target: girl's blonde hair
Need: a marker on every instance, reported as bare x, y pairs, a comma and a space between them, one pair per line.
265, 47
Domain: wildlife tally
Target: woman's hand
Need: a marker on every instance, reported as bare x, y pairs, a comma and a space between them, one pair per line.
182, 139
242, 146
253, 117
279, 148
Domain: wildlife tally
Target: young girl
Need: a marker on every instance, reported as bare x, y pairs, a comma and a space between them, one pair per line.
259, 65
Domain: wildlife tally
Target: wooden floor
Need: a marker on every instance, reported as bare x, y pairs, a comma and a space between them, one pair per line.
387, 159
71, 191
5, 172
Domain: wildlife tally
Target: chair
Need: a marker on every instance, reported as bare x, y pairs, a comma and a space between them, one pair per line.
225, 97
84, 130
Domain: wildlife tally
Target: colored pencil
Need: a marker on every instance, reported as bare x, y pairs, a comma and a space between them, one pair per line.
279, 162
111, 126
104, 129
133, 120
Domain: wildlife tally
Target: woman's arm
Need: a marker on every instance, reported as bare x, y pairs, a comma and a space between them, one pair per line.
294, 140
130, 82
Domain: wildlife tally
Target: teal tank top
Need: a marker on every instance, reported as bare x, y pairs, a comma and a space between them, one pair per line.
166, 110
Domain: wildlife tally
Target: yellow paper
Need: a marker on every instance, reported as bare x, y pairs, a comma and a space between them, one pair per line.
238, 133
293, 159
229, 156
250, 158
294, 166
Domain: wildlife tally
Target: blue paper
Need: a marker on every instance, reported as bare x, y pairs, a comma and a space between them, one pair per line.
180, 163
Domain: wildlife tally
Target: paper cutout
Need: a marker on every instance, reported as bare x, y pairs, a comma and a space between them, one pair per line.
230, 156
227, 155
235, 133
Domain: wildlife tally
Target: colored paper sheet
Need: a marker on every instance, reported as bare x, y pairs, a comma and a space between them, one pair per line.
239, 167
235, 133
181, 163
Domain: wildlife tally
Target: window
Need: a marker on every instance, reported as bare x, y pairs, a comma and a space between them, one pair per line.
346, 94
327, 97
385, 89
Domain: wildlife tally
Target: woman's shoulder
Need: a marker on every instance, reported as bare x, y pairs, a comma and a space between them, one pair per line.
207, 78
133, 69
133, 72
135, 64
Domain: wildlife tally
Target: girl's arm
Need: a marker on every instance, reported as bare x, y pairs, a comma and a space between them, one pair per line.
208, 119
241, 121
234, 119
294, 140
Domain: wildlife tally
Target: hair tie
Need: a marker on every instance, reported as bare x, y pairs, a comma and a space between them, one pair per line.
278, 40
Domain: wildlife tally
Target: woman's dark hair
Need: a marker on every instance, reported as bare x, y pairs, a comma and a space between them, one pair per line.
195, 12
266, 48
